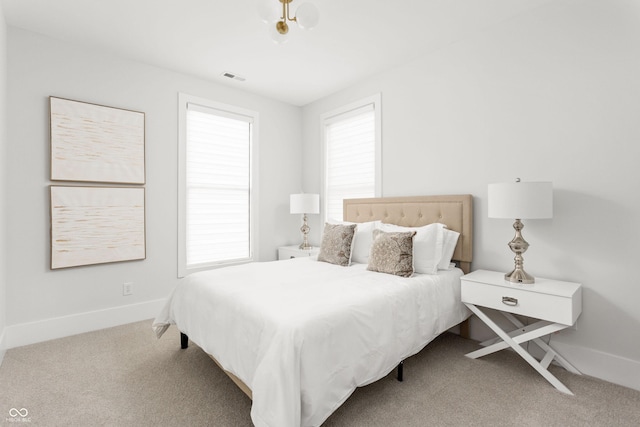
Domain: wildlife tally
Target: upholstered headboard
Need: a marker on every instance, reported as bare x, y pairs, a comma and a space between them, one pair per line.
455, 211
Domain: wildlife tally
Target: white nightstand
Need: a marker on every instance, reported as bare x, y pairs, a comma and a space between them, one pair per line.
288, 252
557, 304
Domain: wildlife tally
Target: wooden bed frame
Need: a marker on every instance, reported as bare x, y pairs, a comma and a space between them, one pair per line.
455, 211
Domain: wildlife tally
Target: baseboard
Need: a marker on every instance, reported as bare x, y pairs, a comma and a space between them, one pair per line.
598, 364
60, 327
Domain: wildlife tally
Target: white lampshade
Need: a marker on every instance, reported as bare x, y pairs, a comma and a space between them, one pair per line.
521, 200
307, 16
304, 203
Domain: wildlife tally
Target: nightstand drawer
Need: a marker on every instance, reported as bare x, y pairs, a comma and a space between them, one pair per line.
564, 307
288, 252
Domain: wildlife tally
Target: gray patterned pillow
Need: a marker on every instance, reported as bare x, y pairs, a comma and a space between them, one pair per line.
392, 253
336, 244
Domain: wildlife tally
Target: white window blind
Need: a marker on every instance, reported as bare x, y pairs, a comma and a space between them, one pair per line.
217, 187
351, 157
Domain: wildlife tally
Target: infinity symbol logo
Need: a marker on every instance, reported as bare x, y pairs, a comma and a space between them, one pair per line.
13, 412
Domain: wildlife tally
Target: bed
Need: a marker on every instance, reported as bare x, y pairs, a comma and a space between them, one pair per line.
299, 336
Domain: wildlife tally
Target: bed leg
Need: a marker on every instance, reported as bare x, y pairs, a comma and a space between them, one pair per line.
400, 370
184, 341
465, 329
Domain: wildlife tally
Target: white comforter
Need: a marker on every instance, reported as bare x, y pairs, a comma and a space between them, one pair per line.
304, 334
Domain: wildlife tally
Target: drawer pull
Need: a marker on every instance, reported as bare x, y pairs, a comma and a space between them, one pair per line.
510, 301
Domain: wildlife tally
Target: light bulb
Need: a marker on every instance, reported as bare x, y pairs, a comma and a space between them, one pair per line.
307, 16
268, 11
275, 35
282, 27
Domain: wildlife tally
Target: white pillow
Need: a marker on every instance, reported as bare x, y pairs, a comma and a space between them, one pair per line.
362, 240
427, 245
448, 247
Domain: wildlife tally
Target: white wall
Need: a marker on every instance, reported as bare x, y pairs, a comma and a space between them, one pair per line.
44, 303
553, 95
3, 181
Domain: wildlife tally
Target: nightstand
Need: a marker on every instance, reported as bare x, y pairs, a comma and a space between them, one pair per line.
557, 304
288, 252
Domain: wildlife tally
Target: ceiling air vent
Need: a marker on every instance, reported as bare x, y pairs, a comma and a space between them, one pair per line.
233, 76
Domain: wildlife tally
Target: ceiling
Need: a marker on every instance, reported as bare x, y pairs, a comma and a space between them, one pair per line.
204, 38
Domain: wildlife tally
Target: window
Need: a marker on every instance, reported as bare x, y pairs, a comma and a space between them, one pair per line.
216, 201
352, 147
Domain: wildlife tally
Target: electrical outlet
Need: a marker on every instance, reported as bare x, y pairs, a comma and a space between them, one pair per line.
127, 288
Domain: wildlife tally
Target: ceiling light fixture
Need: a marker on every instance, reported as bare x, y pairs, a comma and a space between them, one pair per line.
307, 17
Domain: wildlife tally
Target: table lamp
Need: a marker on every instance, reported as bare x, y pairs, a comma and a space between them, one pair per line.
304, 204
520, 200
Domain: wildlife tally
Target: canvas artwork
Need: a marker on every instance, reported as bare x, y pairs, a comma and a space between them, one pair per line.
94, 143
95, 225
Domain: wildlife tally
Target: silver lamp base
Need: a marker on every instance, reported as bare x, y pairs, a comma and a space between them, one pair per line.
519, 246
519, 276
305, 233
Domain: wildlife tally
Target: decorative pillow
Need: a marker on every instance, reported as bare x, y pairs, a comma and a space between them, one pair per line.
392, 253
427, 245
336, 244
361, 240
448, 247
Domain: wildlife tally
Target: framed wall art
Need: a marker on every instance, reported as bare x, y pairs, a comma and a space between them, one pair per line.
96, 225
94, 143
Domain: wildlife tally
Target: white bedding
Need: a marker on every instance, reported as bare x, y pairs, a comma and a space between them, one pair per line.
304, 334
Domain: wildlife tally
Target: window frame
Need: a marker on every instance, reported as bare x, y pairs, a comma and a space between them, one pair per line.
334, 115
230, 110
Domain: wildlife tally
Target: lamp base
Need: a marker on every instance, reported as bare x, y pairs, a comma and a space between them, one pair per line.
305, 233
519, 246
518, 275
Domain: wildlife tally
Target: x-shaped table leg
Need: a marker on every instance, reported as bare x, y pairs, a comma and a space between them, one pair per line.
524, 334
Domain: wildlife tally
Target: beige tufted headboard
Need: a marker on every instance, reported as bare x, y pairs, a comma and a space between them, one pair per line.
455, 211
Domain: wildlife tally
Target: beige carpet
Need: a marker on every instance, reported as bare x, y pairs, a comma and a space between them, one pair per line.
123, 376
